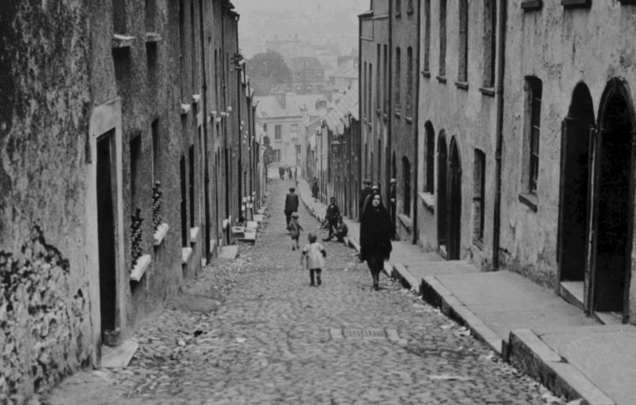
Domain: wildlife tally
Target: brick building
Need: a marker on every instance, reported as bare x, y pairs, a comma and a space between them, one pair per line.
123, 153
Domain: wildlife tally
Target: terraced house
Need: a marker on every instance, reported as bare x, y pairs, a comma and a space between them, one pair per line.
127, 149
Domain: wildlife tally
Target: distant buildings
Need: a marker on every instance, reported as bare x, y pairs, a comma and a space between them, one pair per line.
308, 75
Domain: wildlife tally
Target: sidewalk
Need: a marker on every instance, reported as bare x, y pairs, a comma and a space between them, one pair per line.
529, 326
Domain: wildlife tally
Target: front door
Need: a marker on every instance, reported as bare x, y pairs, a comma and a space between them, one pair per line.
455, 201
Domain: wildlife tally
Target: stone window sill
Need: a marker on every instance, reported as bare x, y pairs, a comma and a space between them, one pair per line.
576, 3
426, 73
194, 234
398, 115
186, 254
196, 98
487, 91
122, 41
529, 5
153, 37
462, 85
140, 268
428, 199
160, 233
529, 199
441, 79
409, 120
185, 109
406, 221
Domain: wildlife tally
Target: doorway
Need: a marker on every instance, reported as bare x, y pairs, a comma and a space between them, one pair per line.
573, 197
455, 199
612, 211
440, 206
106, 233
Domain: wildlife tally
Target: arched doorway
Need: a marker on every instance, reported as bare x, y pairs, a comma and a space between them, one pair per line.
612, 195
454, 202
440, 206
573, 195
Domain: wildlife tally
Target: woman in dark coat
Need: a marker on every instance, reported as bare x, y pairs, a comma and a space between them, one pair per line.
375, 237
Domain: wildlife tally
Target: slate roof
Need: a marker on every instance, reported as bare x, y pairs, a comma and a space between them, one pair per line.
305, 63
337, 118
347, 70
269, 107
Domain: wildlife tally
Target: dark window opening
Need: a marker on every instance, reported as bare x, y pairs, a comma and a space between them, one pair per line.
406, 180
427, 35
191, 184
479, 180
151, 63
409, 81
534, 89
398, 74
119, 16
156, 152
490, 40
463, 41
150, 15
429, 186
442, 38
184, 210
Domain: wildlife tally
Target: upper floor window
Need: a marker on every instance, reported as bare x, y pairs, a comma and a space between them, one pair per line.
294, 131
409, 81
429, 185
278, 132
534, 92
398, 7
398, 77
409, 7
463, 41
490, 41
427, 36
442, 38
479, 180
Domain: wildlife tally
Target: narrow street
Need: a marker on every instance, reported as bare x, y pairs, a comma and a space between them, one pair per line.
271, 338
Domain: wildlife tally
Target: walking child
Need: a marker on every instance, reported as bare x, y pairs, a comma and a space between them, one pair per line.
294, 230
315, 254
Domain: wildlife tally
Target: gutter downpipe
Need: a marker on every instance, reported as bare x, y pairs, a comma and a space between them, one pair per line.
416, 119
501, 49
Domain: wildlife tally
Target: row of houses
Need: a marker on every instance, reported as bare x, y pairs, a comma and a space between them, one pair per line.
509, 128
127, 151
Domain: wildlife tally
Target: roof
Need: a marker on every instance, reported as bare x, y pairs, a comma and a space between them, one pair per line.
336, 120
305, 63
269, 107
347, 70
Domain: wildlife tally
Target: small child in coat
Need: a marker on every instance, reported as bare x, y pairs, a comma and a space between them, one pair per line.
315, 254
294, 230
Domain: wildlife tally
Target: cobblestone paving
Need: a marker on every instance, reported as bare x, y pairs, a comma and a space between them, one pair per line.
273, 339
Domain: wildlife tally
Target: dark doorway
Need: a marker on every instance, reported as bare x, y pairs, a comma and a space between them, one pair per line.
573, 207
106, 234
184, 196
455, 203
406, 186
613, 190
440, 206
191, 184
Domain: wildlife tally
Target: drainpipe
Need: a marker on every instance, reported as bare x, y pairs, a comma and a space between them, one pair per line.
501, 49
416, 119
206, 172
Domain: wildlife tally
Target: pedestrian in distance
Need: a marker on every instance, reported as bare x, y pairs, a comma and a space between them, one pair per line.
366, 190
295, 173
333, 212
291, 204
375, 238
314, 190
289, 172
294, 230
281, 172
341, 230
314, 255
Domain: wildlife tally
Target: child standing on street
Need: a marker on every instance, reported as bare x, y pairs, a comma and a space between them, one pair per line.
315, 254
294, 230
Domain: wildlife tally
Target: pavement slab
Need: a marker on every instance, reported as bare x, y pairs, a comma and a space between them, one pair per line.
273, 338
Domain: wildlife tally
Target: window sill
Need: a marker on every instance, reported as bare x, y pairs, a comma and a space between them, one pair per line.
576, 4
406, 221
140, 268
186, 254
441, 79
196, 98
428, 199
409, 11
398, 115
487, 91
160, 233
426, 73
462, 85
398, 14
185, 109
122, 41
409, 120
529, 199
194, 234
153, 37
529, 5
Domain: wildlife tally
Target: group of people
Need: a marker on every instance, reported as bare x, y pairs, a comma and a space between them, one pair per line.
286, 169
376, 232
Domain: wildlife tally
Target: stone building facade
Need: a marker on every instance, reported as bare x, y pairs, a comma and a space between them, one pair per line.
122, 130
307, 74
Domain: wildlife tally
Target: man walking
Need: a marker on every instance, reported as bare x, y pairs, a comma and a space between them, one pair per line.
366, 190
333, 212
291, 204
295, 173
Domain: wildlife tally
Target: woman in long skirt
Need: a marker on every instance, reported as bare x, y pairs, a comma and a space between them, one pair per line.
375, 237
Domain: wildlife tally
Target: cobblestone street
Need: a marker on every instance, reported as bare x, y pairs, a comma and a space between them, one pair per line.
268, 337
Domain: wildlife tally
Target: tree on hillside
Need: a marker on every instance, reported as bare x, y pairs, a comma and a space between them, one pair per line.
266, 71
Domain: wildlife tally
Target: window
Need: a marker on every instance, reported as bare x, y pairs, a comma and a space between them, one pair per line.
406, 178
193, 51
182, 61
427, 36
294, 131
119, 16
534, 90
479, 180
463, 41
409, 81
490, 40
364, 89
398, 75
398, 7
442, 38
370, 98
409, 7
150, 15
278, 132
386, 81
429, 185
135, 171
377, 78
277, 155
156, 152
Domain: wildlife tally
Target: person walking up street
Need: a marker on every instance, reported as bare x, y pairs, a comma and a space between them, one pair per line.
393, 206
314, 254
375, 238
289, 172
291, 204
333, 212
281, 172
294, 230
366, 190
295, 173
315, 190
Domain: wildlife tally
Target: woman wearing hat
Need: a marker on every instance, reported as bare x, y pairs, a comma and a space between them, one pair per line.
375, 237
